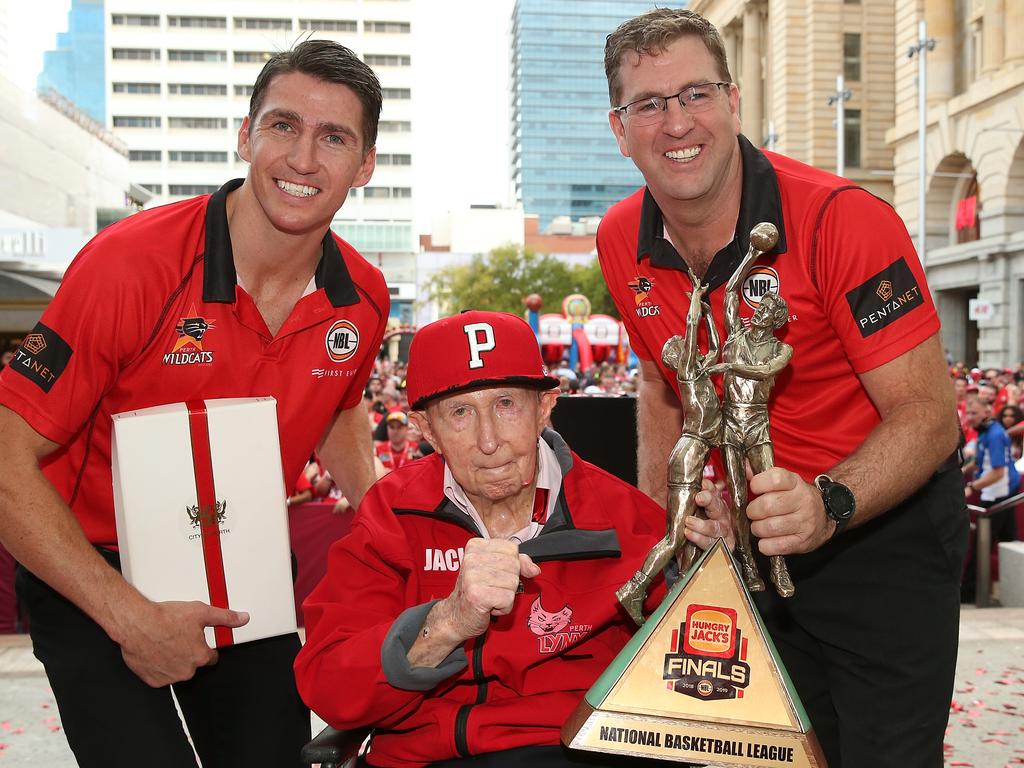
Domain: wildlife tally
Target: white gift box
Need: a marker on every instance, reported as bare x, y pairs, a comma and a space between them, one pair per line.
199, 499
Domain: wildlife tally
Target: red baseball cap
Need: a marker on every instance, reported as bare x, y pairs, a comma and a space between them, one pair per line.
473, 349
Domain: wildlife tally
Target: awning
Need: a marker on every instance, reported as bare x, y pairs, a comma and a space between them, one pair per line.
24, 294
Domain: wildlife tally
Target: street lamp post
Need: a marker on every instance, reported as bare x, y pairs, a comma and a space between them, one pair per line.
920, 49
839, 98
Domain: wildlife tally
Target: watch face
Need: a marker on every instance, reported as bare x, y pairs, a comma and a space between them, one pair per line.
839, 501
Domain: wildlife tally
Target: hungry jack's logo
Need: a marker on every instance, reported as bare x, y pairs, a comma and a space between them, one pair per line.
642, 287
188, 348
707, 655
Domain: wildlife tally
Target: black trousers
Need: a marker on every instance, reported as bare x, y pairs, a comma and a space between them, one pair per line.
870, 638
243, 711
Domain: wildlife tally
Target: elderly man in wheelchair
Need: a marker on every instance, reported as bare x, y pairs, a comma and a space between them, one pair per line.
473, 604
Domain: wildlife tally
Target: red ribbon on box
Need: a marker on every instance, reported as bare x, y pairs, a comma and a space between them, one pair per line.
209, 527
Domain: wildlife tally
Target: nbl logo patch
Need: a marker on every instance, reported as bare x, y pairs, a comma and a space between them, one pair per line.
759, 283
342, 341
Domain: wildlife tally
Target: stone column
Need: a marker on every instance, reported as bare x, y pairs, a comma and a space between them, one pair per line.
1014, 32
940, 18
993, 32
729, 38
751, 107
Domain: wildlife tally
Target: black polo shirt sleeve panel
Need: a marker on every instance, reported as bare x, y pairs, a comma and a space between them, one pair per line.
98, 323
219, 278
871, 282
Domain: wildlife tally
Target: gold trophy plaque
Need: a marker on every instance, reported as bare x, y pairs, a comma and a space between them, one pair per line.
700, 682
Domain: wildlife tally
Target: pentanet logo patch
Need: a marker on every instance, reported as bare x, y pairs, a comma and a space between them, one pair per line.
42, 357
884, 298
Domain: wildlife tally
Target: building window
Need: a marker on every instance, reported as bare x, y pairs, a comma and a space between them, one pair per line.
156, 189
328, 25
181, 55
238, 123
387, 27
243, 90
136, 54
245, 22
201, 123
851, 56
187, 190
386, 60
386, 159
253, 57
144, 155
136, 121
146, 88
394, 126
376, 193
134, 20
396, 93
194, 156
197, 89
201, 22
851, 137
401, 192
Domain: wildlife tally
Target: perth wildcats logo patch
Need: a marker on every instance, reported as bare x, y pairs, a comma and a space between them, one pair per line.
188, 348
641, 287
342, 341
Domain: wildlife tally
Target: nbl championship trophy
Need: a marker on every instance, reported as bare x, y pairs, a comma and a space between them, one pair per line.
701, 682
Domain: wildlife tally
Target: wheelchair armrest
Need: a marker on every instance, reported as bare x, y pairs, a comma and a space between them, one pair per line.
332, 747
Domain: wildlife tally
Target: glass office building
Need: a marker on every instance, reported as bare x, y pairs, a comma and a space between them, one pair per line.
565, 161
75, 67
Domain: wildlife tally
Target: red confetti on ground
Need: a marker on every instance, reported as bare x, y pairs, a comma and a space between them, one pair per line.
45, 705
3, 746
18, 730
55, 728
963, 765
956, 706
994, 741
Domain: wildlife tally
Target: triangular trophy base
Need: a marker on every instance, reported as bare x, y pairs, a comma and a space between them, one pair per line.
700, 682
687, 741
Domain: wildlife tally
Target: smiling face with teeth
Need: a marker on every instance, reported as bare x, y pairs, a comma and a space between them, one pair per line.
305, 150
683, 157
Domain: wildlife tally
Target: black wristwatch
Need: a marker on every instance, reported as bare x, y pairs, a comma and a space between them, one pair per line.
839, 502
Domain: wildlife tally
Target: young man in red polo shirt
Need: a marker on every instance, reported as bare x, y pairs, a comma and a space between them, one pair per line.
398, 450
864, 502
242, 293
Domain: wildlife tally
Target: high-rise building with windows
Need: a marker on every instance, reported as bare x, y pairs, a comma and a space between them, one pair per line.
565, 162
74, 69
179, 81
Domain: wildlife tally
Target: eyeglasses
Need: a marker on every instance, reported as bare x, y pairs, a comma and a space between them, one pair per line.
693, 98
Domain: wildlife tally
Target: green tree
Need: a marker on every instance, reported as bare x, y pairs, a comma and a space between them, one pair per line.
501, 280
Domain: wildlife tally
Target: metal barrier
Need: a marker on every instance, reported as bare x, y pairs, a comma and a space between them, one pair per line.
983, 546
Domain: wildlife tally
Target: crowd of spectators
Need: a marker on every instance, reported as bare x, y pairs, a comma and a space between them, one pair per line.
988, 404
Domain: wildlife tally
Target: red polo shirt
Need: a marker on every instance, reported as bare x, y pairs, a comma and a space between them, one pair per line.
844, 264
150, 313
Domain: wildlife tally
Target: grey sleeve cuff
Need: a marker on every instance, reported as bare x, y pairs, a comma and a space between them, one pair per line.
398, 641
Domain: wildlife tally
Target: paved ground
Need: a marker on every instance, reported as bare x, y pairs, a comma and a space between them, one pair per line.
986, 723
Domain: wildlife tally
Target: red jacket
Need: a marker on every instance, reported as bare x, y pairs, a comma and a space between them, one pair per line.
517, 683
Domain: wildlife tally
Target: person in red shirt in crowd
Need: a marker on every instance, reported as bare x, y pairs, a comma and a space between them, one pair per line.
473, 604
962, 388
398, 449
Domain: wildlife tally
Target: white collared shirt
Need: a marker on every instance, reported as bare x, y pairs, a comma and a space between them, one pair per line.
549, 477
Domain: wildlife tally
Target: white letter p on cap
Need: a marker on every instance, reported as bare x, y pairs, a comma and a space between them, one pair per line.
481, 339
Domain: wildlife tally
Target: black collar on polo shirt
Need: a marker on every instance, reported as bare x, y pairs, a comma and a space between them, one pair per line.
759, 201
219, 277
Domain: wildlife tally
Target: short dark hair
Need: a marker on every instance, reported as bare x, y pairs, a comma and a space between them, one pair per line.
650, 33
332, 62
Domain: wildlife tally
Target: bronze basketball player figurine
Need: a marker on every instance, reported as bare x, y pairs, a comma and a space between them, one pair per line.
752, 356
702, 426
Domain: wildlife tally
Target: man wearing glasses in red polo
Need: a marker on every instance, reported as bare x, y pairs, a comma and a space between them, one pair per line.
864, 501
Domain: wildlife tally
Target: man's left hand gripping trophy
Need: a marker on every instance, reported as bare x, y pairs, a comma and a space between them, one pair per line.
702, 427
